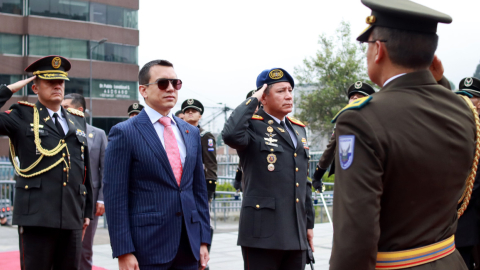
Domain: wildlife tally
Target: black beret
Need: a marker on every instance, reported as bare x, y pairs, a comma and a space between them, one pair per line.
470, 85
135, 108
403, 15
193, 104
360, 87
51, 67
274, 75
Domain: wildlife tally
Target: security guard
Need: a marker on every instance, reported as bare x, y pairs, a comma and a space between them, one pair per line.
237, 183
193, 111
404, 154
277, 211
53, 199
134, 109
357, 90
468, 229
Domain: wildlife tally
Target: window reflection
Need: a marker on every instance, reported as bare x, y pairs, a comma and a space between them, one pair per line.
9, 79
10, 44
69, 48
11, 6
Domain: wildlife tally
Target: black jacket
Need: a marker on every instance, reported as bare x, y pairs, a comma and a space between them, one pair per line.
50, 199
277, 207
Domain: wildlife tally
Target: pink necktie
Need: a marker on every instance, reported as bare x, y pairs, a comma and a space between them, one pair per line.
171, 147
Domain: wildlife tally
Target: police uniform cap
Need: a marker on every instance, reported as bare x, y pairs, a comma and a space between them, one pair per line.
274, 75
51, 67
360, 87
192, 104
250, 93
135, 108
403, 15
470, 85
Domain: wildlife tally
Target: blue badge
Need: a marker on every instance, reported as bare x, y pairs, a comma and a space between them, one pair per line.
210, 142
211, 149
346, 144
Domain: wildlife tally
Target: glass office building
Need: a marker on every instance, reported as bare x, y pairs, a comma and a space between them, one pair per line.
32, 29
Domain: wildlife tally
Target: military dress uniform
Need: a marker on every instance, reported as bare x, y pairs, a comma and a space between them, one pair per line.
277, 206
53, 191
328, 156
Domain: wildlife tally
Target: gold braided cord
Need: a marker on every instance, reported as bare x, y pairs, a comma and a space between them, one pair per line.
467, 194
50, 71
48, 153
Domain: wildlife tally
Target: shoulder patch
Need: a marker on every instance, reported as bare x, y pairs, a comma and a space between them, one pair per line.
296, 121
75, 112
26, 103
257, 117
356, 105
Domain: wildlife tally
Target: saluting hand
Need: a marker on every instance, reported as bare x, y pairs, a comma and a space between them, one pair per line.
15, 87
436, 68
259, 93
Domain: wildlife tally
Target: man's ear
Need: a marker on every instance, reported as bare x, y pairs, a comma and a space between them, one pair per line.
380, 51
143, 91
80, 108
35, 89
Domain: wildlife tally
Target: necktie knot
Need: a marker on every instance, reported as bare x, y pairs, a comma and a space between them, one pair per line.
55, 115
165, 121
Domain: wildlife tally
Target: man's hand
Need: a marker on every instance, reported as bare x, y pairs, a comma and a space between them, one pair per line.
100, 209
436, 68
310, 239
204, 257
128, 262
86, 222
259, 93
15, 87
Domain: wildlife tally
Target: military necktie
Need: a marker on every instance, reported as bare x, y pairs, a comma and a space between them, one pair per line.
58, 125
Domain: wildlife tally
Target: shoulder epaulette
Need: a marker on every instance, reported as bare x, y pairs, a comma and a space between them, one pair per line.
75, 112
257, 117
464, 93
356, 105
295, 121
203, 133
26, 103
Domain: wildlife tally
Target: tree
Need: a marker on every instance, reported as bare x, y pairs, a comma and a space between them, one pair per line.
338, 63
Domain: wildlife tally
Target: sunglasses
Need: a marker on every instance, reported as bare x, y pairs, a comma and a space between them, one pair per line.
164, 83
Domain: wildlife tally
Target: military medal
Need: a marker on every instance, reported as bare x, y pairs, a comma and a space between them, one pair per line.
269, 129
270, 122
281, 129
71, 121
271, 158
296, 131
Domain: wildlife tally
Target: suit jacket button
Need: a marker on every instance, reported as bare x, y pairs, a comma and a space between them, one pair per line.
64, 169
295, 155
258, 206
26, 186
64, 184
209, 182
296, 169
298, 200
298, 185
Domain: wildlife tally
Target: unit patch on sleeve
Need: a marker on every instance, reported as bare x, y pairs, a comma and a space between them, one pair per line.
346, 145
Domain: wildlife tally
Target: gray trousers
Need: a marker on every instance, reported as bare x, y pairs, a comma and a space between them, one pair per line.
86, 261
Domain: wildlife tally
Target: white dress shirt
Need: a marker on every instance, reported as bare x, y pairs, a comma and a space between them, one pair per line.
292, 135
154, 117
61, 118
393, 78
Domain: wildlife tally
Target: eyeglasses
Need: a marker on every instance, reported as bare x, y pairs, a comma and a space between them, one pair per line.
164, 83
372, 41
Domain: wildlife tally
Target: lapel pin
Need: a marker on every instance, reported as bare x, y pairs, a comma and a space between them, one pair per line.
46, 118
186, 131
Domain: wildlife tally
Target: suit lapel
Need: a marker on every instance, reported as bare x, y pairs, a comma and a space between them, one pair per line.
45, 117
90, 136
142, 123
276, 127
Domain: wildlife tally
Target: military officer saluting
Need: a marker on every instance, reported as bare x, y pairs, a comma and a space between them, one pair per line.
404, 153
53, 199
355, 91
277, 212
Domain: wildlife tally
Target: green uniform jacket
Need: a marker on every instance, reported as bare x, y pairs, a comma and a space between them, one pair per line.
49, 199
277, 207
413, 149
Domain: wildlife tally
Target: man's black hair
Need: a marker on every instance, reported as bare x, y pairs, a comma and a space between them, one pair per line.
77, 100
178, 113
144, 74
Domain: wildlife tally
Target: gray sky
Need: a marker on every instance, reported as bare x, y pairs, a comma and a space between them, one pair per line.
219, 47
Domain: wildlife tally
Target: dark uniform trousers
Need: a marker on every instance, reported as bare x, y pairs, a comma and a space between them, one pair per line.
277, 208
51, 202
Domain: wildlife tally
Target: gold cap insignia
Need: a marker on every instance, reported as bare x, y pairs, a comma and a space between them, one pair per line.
135, 106
190, 101
56, 62
276, 74
468, 82
371, 19
358, 85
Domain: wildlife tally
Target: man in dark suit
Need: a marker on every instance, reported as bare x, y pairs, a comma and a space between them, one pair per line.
403, 153
355, 91
53, 200
277, 217
97, 142
154, 184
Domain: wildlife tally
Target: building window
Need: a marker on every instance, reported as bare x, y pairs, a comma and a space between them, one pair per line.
69, 48
10, 44
11, 6
112, 52
84, 11
64, 9
9, 79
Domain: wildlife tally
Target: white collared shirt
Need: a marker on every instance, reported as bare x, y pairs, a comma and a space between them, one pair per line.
61, 118
292, 135
159, 128
393, 78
